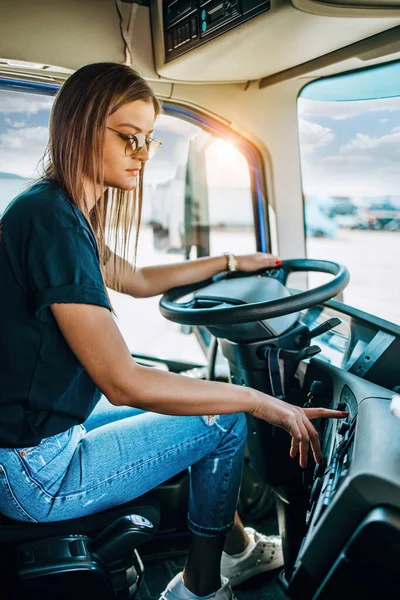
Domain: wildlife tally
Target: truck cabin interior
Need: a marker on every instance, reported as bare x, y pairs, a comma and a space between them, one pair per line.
281, 133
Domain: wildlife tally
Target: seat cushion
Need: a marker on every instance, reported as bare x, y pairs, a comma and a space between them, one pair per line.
17, 531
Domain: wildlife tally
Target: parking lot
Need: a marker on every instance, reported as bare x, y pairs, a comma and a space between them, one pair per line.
373, 259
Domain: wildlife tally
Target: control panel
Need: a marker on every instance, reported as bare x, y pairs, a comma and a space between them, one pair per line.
328, 480
360, 474
190, 23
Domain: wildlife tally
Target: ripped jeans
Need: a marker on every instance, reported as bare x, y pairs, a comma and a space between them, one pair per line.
120, 453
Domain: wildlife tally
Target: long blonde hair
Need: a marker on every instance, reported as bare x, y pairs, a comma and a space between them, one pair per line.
76, 148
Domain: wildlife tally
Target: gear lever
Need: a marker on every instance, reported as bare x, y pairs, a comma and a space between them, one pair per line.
324, 327
299, 355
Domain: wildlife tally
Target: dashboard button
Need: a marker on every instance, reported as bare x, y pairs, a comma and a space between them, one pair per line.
344, 427
187, 32
170, 42
316, 490
319, 470
193, 25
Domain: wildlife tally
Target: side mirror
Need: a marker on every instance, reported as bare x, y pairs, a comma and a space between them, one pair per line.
180, 205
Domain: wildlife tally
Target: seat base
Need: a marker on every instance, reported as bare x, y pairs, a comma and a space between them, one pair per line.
90, 557
16, 532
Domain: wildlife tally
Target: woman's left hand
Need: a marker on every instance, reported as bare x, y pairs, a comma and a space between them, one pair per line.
259, 260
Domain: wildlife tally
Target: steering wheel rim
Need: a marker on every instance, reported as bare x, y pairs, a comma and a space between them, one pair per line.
187, 314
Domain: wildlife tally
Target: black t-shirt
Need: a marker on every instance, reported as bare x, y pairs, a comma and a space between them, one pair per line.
48, 254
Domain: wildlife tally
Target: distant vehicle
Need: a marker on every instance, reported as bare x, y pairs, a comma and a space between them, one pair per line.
317, 223
340, 206
382, 215
375, 216
353, 221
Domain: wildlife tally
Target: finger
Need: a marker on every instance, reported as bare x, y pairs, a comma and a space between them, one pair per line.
266, 255
294, 431
271, 260
314, 441
304, 444
325, 413
292, 451
259, 260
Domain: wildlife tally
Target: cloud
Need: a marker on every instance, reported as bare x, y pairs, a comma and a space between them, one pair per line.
383, 150
177, 126
22, 149
313, 135
16, 124
340, 111
364, 166
359, 161
10, 102
360, 142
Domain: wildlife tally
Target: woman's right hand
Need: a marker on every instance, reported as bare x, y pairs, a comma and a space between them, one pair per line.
297, 422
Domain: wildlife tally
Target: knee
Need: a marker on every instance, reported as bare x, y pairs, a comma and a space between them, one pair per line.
241, 426
235, 423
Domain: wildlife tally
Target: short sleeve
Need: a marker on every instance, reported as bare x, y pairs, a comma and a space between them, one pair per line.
63, 267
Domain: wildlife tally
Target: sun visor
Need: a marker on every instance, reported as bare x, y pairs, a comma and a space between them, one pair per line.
67, 33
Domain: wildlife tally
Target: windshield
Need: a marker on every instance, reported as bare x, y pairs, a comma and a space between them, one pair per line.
349, 132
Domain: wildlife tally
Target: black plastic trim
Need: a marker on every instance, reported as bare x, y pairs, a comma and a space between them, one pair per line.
249, 313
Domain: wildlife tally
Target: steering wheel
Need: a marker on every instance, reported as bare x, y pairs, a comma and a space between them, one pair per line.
203, 311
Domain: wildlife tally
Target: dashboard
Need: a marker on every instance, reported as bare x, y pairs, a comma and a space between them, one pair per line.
340, 522
357, 491
354, 499
345, 514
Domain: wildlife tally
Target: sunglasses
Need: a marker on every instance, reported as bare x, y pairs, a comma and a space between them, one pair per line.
135, 142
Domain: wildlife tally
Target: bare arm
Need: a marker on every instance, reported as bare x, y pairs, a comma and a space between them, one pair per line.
151, 281
96, 341
161, 278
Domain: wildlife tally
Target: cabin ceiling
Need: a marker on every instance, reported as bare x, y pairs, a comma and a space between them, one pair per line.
70, 33
269, 43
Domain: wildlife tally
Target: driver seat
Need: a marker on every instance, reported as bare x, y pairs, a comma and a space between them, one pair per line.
90, 557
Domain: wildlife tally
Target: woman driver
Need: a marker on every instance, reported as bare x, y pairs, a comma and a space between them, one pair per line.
61, 456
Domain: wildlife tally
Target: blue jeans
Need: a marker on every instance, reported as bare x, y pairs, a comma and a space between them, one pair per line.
120, 453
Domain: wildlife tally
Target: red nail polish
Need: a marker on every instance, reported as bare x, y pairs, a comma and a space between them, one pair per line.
278, 262
345, 414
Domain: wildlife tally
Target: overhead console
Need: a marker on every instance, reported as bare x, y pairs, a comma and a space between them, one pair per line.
349, 8
235, 41
190, 23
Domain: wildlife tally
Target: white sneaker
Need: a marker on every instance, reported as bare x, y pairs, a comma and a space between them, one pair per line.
264, 554
176, 590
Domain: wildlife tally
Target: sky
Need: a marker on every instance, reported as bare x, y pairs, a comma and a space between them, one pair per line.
350, 148
24, 120
23, 131
347, 148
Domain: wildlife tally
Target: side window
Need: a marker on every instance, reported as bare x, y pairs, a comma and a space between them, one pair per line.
197, 202
24, 131
230, 203
349, 129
